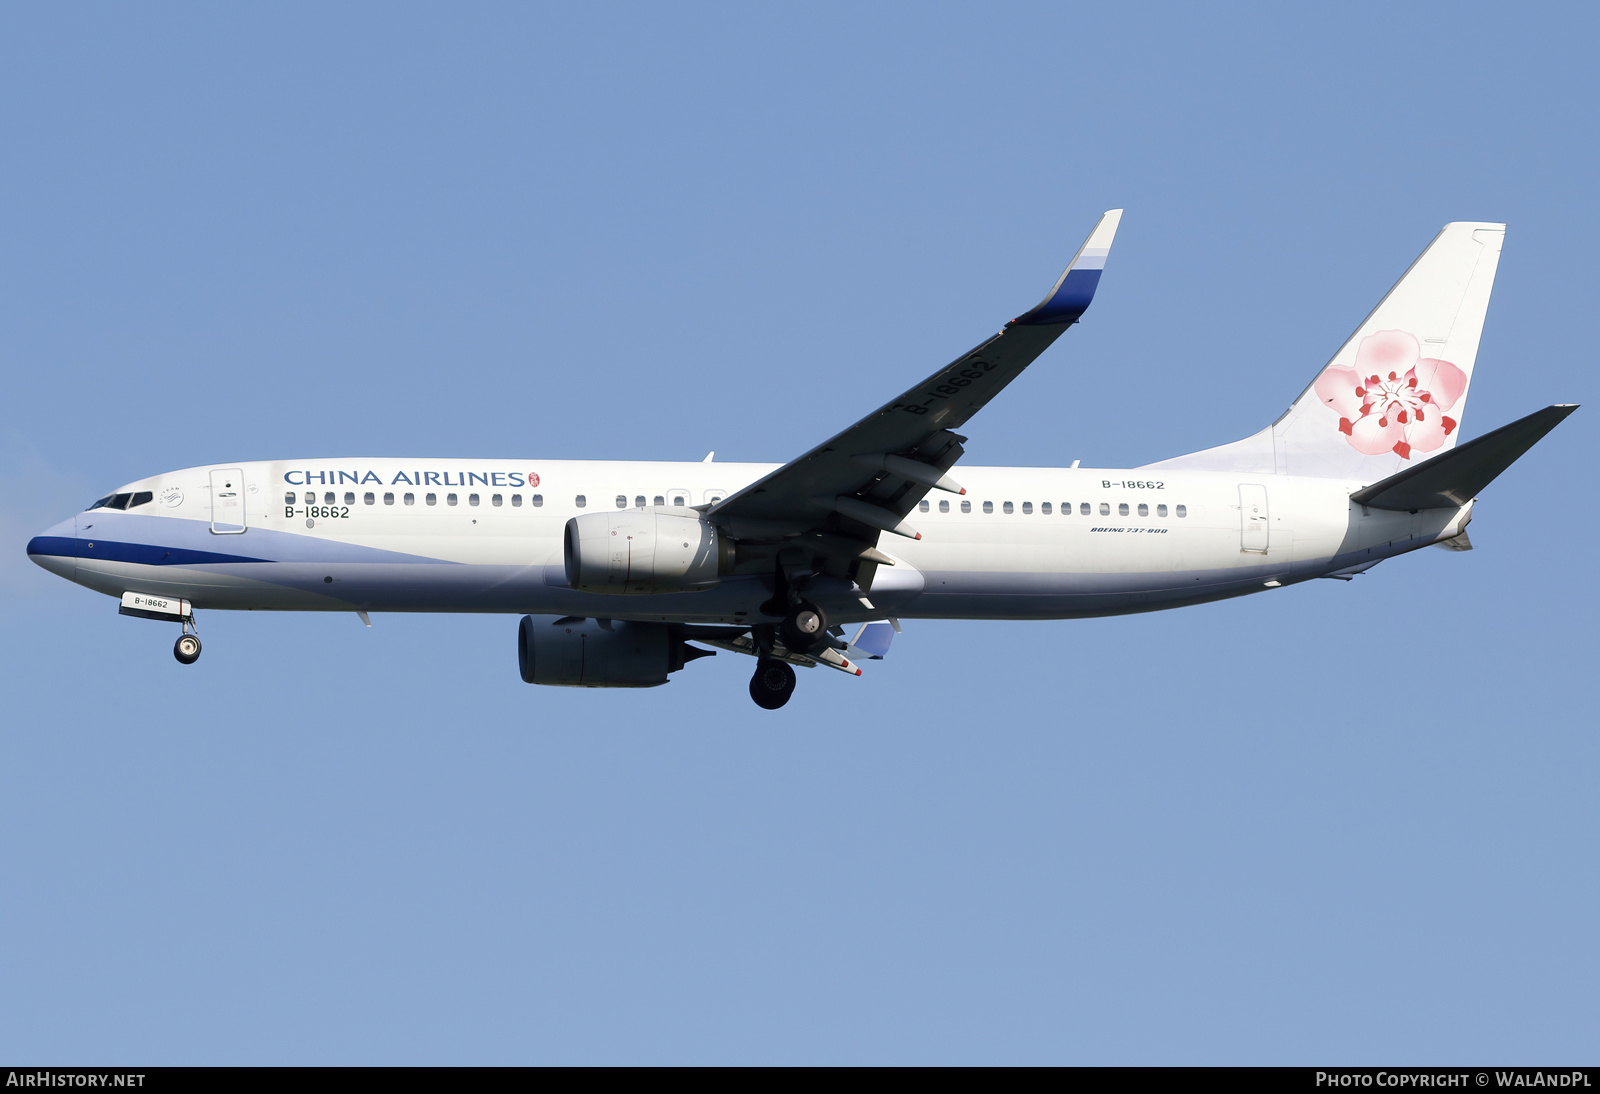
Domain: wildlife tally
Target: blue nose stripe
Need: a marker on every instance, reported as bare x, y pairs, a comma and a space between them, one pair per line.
146, 554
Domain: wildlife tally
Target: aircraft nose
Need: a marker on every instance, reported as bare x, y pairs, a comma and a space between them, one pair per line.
56, 548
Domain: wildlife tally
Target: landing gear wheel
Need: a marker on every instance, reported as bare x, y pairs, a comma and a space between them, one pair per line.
804, 629
772, 684
187, 649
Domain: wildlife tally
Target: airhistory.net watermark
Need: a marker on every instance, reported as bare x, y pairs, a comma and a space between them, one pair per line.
46, 1078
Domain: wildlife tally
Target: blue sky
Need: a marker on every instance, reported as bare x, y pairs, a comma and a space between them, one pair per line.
1341, 823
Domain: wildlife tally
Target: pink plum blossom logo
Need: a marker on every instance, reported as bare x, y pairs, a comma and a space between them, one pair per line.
1394, 399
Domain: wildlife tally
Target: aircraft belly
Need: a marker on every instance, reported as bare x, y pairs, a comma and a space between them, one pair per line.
244, 587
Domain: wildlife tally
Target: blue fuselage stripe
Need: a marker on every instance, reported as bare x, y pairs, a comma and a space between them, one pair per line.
146, 554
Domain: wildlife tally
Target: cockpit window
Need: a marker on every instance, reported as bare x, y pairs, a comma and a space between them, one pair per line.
124, 501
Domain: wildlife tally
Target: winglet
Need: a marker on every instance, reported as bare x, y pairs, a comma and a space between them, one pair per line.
1072, 293
871, 642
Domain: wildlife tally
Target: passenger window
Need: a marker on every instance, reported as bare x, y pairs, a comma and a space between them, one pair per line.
516, 500
580, 501
1144, 510
1027, 507
1105, 510
388, 499
988, 507
497, 501
449, 499
660, 500
472, 499
1122, 510
538, 500
679, 499
431, 499
639, 501
1183, 510
1007, 507
622, 501
923, 506
349, 497
327, 499
311, 499
944, 507
966, 507
288, 499
369, 498
1044, 508
1083, 509
410, 499
1161, 510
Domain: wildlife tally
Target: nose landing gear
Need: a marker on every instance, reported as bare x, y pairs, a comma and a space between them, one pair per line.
187, 648
772, 684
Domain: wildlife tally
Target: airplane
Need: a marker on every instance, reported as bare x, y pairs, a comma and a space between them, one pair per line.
624, 572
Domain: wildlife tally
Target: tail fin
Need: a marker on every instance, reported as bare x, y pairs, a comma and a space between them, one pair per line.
1394, 393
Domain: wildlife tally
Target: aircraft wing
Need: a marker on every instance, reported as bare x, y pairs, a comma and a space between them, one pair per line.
866, 479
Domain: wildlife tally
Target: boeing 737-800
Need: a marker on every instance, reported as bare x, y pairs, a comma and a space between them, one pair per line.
617, 568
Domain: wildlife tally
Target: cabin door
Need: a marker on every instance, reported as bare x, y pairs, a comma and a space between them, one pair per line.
1253, 522
227, 501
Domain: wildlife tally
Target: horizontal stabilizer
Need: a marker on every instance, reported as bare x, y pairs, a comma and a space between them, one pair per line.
1453, 478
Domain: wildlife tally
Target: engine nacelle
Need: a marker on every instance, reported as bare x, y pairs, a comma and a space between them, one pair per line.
585, 653
644, 551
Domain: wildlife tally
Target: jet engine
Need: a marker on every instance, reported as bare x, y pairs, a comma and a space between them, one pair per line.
644, 551
591, 653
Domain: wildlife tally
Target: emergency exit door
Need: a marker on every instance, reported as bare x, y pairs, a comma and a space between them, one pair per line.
1253, 522
227, 502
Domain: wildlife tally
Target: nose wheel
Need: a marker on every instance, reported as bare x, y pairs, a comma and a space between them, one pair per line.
772, 684
187, 648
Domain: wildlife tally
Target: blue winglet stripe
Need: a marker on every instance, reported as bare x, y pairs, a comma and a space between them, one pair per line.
1069, 298
1069, 301
874, 640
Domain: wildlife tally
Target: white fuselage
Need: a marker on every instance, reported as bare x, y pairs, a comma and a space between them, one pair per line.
480, 536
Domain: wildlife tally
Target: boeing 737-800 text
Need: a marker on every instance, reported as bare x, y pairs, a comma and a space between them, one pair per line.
617, 568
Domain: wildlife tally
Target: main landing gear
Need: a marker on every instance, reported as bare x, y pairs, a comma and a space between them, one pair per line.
772, 684
187, 648
804, 629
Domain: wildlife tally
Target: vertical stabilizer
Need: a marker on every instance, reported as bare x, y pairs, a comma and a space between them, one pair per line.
1394, 393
